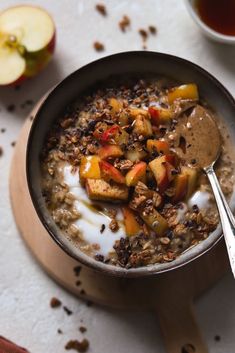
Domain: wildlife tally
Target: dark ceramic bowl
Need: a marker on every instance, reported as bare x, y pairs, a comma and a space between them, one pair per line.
129, 63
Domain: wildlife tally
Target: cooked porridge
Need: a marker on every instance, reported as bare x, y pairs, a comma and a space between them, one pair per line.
115, 179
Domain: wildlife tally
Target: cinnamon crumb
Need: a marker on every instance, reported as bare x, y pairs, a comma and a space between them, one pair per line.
55, 302
98, 46
82, 329
101, 9
152, 29
78, 346
124, 23
143, 33
13, 143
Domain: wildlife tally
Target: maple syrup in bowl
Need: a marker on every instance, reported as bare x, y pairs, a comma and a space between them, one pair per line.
216, 18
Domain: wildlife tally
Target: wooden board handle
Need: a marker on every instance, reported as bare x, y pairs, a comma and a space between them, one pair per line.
179, 328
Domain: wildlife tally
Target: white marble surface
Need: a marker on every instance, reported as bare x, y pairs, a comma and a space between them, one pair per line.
25, 290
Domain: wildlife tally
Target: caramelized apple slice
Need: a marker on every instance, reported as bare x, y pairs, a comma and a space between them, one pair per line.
109, 172
108, 151
160, 167
136, 112
192, 174
162, 147
181, 187
108, 135
160, 115
188, 91
101, 190
132, 227
155, 221
135, 155
142, 126
116, 105
89, 168
137, 173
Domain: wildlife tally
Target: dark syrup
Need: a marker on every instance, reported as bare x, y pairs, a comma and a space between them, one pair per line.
218, 14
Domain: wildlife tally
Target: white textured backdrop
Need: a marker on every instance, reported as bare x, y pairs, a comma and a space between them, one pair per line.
25, 290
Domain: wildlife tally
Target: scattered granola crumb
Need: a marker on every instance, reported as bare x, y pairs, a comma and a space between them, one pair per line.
3, 130
55, 302
113, 225
78, 346
217, 338
98, 46
144, 34
102, 228
82, 292
101, 9
13, 143
152, 29
1, 151
67, 310
59, 331
77, 270
82, 329
124, 23
78, 283
11, 108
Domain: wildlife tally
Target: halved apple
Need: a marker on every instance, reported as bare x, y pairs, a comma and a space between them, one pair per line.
27, 42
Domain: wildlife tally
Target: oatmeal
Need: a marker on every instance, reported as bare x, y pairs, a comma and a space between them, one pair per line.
117, 179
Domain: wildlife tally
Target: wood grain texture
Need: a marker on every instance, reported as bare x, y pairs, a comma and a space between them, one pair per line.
170, 294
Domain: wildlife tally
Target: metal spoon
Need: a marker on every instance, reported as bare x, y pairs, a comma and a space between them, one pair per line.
204, 142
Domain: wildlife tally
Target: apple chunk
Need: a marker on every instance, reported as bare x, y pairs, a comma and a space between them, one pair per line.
136, 174
132, 227
27, 39
89, 168
108, 151
109, 172
161, 168
155, 221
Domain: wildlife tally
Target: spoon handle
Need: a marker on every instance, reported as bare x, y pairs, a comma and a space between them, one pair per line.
226, 216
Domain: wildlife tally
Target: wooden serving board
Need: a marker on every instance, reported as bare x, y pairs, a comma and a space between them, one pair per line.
170, 294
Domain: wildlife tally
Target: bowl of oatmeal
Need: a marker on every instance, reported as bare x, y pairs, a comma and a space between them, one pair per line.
106, 168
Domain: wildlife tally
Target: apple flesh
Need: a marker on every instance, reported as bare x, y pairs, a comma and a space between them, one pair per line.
109, 172
132, 227
110, 151
137, 173
27, 42
161, 168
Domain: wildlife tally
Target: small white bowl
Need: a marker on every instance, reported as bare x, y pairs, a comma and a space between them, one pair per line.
209, 32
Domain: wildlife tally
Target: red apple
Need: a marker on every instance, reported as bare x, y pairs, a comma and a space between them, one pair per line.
109, 172
136, 174
27, 42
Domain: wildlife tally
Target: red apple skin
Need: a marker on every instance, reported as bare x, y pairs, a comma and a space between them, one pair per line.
109, 172
136, 173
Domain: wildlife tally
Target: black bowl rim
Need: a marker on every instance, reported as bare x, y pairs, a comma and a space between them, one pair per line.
116, 271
